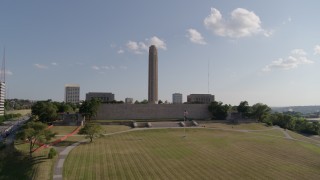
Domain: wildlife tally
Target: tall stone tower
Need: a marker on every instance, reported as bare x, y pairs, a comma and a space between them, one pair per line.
153, 75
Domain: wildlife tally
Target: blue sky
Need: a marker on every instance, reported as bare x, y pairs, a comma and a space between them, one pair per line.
266, 51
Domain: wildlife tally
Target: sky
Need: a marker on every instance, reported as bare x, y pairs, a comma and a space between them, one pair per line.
258, 51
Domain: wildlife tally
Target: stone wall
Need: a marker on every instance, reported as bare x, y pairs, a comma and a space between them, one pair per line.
152, 111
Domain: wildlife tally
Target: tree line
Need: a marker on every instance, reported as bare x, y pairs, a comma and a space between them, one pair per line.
262, 113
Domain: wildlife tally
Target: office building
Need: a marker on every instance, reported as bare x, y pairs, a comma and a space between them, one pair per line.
200, 98
2, 97
102, 96
177, 98
72, 93
129, 100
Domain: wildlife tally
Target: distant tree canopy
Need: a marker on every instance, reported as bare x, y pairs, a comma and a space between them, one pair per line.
218, 110
260, 111
17, 104
142, 102
294, 123
89, 109
244, 109
65, 107
45, 111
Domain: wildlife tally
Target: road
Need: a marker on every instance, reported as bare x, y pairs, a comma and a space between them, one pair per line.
12, 127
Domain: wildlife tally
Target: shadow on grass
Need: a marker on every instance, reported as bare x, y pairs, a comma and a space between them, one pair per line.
16, 165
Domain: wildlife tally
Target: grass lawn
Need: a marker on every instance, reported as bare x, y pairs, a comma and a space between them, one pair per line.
22, 112
16, 163
203, 154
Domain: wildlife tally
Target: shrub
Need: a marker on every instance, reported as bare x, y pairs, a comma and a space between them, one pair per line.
52, 153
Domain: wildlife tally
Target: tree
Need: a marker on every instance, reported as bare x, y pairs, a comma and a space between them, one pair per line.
218, 110
45, 111
160, 102
64, 108
89, 108
243, 108
144, 102
91, 130
260, 111
35, 132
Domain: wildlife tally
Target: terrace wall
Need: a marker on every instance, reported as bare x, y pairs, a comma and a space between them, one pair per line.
152, 111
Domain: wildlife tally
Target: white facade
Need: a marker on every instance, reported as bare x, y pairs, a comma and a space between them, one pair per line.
2, 97
72, 93
129, 100
177, 98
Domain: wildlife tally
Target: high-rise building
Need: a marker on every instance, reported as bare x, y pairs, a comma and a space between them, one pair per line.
102, 96
200, 98
177, 98
3, 84
72, 93
153, 75
2, 97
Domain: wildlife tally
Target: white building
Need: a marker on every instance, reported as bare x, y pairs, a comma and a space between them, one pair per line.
2, 97
177, 98
72, 93
129, 100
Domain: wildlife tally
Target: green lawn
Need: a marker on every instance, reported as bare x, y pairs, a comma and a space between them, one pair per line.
203, 154
22, 112
16, 163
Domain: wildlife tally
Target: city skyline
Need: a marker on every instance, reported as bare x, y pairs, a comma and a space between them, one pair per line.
265, 52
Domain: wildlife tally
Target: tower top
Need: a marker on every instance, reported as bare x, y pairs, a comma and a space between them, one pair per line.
152, 47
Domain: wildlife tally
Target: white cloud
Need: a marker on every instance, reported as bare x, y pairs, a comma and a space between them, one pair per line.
120, 51
242, 23
54, 64
160, 44
104, 68
316, 50
195, 37
136, 47
297, 57
141, 47
95, 67
41, 66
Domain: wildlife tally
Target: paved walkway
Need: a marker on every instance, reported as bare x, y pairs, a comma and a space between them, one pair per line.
58, 169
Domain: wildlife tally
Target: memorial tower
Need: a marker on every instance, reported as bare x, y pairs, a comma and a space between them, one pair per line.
153, 75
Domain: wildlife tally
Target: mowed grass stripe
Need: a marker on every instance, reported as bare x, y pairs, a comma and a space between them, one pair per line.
101, 174
120, 147
110, 162
226, 165
175, 167
170, 155
266, 156
203, 154
186, 161
147, 162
